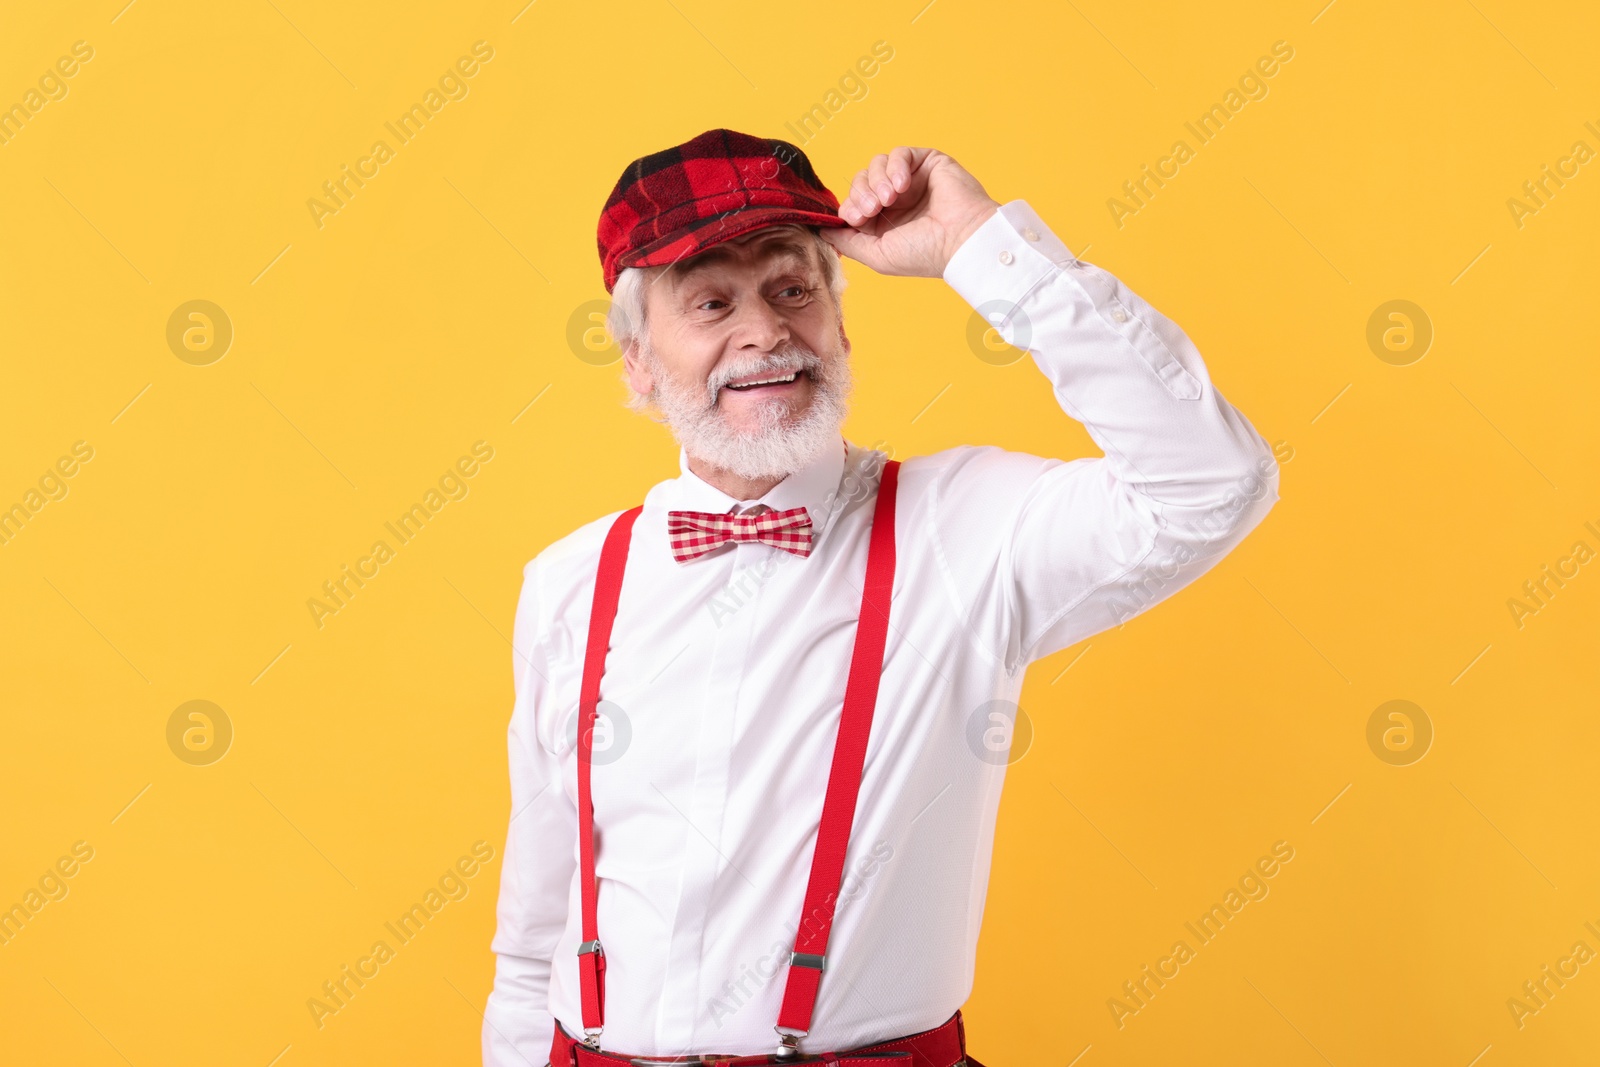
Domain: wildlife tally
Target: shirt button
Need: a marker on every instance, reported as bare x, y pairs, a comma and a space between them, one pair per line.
1031, 234
1120, 315
1006, 257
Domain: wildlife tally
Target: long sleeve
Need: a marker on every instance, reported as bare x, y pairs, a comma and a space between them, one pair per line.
538, 862
1067, 549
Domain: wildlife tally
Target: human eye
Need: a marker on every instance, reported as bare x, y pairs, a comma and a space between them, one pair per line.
706, 299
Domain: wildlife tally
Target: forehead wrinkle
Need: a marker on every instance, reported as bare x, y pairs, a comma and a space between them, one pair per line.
784, 249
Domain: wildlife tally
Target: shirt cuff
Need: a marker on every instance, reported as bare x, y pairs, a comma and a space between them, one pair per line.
1005, 259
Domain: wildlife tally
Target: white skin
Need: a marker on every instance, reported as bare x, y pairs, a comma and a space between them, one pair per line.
744, 311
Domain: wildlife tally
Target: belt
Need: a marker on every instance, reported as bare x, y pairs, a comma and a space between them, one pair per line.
943, 1046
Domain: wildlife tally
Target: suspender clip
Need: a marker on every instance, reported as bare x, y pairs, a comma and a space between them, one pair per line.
591, 1037
806, 959
788, 1042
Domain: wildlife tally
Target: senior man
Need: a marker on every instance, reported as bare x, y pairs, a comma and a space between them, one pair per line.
762, 718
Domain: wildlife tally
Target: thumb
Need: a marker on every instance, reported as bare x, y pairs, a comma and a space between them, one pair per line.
849, 241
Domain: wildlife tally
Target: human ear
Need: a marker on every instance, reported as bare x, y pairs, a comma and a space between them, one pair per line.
639, 376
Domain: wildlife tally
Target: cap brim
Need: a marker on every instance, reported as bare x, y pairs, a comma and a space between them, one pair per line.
689, 241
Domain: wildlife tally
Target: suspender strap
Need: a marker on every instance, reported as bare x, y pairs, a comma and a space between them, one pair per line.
607, 588
844, 779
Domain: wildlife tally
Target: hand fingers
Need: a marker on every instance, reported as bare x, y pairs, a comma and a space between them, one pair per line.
900, 166
878, 179
886, 179
862, 202
918, 163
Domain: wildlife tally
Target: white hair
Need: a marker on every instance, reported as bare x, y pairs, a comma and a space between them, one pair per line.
627, 321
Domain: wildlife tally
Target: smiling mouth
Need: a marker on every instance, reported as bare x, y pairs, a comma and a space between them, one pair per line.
775, 381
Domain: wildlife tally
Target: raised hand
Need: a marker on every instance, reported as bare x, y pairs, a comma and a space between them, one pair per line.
909, 211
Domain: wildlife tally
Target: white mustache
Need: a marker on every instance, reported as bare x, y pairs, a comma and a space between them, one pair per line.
791, 357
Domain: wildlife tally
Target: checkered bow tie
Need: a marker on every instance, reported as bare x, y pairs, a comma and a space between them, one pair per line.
694, 533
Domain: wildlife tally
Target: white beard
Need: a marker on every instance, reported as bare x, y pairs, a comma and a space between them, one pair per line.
777, 447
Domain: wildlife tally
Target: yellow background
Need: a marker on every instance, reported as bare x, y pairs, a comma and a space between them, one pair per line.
427, 314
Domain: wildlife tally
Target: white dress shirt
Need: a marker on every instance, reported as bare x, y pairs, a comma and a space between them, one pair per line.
729, 673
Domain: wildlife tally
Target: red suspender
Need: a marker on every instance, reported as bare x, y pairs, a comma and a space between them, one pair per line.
844, 778
607, 587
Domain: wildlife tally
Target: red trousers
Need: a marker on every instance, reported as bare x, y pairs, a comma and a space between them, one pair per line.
943, 1046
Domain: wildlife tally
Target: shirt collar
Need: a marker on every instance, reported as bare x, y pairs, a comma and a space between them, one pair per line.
814, 486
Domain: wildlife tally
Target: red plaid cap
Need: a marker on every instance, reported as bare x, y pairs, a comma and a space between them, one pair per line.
672, 204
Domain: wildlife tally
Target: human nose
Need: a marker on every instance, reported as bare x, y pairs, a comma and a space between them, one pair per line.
757, 324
